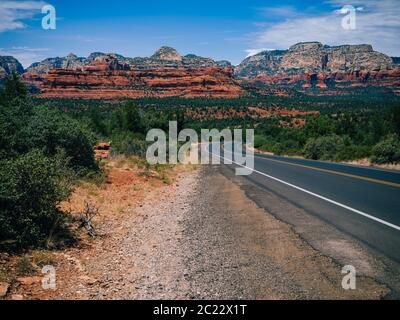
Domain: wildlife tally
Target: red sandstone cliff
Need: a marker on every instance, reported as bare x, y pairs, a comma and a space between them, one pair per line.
167, 73
312, 64
387, 78
106, 77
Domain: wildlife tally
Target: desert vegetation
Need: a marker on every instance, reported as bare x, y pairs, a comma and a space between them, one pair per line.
47, 152
344, 127
47, 144
341, 136
54, 192
43, 152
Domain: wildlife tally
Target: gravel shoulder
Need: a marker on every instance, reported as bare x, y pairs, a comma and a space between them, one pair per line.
242, 251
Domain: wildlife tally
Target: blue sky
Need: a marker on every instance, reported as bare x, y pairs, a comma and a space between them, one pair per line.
218, 29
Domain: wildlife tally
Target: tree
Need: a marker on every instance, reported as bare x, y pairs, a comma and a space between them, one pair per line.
51, 130
396, 119
319, 125
132, 120
31, 188
387, 151
324, 148
13, 88
15, 112
41, 151
97, 123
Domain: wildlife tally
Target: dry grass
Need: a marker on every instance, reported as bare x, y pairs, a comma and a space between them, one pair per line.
44, 258
124, 183
27, 264
367, 163
362, 162
127, 179
24, 266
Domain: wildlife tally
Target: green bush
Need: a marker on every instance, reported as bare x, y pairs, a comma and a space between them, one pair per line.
126, 119
323, 148
387, 151
286, 147
353, 152
14, 115
129, 144
32, 186
260, 141
13, 88
50, 130
41, 152
276, 148
24, 127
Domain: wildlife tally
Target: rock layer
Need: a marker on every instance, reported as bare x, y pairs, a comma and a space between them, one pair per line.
69, 62
313, 64
8, 65
107, 77
309, 65
163, 57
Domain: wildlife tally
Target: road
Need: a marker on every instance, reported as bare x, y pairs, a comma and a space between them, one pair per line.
362, 202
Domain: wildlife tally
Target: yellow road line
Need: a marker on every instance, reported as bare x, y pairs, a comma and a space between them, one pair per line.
393, 184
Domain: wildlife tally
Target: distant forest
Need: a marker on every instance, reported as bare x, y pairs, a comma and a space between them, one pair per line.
363, 124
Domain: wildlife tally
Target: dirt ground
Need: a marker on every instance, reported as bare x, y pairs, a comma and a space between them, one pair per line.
195, 236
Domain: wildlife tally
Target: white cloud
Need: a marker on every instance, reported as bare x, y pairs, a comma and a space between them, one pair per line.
12, 13
252, 52
284, 11
377, 23
25, 55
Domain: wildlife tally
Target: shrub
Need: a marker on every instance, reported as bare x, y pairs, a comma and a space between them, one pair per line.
126, 119
35, 174
260, 141
50, 130
286, 147
24, 266
277, 149
32, 186
324, 148
387, 151
13, 88
14, 115
353, 152
129, 145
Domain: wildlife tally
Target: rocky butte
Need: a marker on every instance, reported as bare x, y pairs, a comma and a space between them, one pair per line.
8, 65
309, 67
312, 64
164, 74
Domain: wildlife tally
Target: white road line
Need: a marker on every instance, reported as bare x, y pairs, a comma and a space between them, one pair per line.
318, 196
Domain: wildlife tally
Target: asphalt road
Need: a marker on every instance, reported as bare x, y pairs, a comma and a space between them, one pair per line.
362, 202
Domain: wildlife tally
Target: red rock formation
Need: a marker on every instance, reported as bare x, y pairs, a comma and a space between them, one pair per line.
313, 65
106, 77
387, 78
102, 150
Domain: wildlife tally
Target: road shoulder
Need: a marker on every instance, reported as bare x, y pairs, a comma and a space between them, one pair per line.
322, 237
242, 251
